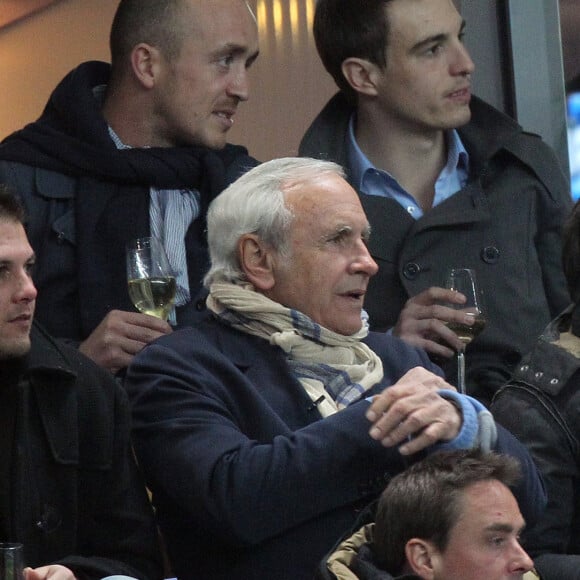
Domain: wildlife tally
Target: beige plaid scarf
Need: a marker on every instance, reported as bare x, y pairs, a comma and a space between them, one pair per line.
334, 369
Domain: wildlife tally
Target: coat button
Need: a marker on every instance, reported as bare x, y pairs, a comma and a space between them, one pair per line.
490, 254
411, 270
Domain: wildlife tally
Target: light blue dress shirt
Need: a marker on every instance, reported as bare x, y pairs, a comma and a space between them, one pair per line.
372, 181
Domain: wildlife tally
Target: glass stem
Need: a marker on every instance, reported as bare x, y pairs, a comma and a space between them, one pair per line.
461, 372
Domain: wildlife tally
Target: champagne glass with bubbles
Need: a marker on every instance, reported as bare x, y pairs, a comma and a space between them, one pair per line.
464, 280
150, 277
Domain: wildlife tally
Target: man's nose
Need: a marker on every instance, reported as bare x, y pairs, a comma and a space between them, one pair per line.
240, 85
25, 289
364, 261
462, 64
522, 563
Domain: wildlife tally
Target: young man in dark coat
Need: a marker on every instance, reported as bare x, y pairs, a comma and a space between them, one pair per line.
134, 149
70, 491
446, 180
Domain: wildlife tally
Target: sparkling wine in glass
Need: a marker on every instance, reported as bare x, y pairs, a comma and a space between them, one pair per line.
150, 278
464, 280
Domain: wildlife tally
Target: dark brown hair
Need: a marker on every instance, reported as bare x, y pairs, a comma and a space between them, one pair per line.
425, 500
10, 206
155, 22
350, 28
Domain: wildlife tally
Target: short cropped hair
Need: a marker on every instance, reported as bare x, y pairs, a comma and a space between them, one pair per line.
11, 209
255, 204
350, 28
155, 22
571, 252
425, 500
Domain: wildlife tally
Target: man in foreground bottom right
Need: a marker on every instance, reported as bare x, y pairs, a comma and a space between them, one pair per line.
451, 516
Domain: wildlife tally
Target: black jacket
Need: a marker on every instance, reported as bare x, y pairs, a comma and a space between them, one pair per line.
505, 223
541, 406
85, 199
77, 498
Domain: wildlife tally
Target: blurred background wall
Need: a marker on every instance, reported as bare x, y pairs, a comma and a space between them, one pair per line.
36, 52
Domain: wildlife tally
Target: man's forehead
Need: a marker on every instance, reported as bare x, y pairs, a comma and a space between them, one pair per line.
320, 188
421, 17
324, 217
217, 10
329, 214
10, 228
492, 503
13, 241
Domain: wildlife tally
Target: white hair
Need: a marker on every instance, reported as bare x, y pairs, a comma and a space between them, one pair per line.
255, 204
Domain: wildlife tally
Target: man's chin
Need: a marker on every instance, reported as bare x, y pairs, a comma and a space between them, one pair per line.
14, 349
215, 140
461, 118
217, 144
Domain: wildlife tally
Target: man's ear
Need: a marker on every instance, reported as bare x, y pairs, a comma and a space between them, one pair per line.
421, 558
360, 74
256, 261
145, 63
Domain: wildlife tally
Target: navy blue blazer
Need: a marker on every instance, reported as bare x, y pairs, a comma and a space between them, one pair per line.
248, 480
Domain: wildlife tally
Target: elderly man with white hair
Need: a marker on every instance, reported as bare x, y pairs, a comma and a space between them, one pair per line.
262, 431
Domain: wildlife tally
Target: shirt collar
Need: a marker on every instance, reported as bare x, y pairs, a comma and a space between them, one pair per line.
457, 156
359, 163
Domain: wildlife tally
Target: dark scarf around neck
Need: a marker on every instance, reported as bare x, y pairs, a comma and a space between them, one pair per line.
71, 137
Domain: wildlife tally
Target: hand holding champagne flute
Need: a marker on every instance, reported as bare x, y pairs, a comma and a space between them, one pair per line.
150, 278
464, 280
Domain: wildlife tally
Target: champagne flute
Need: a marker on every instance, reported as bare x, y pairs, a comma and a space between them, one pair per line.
150, 278
464, 280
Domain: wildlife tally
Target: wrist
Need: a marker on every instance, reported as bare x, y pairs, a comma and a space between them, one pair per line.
466, 437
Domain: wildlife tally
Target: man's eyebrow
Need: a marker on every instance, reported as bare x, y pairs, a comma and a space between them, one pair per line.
253, 57
435, 39
505, 528
237, 49
332, 233
346, 230
9, 261
339, 230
